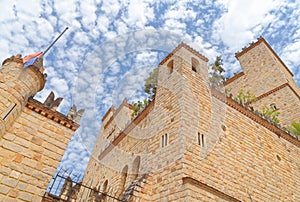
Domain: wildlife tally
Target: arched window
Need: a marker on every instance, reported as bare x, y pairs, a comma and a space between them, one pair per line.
103, 192
136, 167
104, 187
170, 66
195, 65
123, 180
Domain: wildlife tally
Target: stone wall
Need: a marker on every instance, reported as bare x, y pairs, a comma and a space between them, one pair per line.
267, 77
30, 152
217, 149
33, 136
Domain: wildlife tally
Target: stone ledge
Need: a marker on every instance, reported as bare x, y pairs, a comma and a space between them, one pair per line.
39, 108
258, 118
235, 77
212, 190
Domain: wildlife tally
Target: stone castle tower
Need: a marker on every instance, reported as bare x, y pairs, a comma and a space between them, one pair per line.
33, 135
194, 143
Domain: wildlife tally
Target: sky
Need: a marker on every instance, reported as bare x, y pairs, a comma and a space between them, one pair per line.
111, 46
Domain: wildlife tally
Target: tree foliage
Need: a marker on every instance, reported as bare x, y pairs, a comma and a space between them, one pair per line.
150, 89
139, 106
216, 72
295, 127
151, 83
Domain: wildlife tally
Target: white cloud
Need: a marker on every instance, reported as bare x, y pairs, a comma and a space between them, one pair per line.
243, 21
84, 79
139, 13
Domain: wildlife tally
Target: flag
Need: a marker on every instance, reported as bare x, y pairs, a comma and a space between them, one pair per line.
30, 59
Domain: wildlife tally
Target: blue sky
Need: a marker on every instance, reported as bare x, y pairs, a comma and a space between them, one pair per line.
111, 46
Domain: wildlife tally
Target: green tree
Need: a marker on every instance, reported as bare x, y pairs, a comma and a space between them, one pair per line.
270, 113
151, 83
138, 107
150, 89
295, 127
216, 72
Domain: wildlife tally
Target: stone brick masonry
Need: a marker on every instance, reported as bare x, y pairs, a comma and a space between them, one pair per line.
33, 137
216, 148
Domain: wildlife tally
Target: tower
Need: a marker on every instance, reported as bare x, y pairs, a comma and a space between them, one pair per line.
33, 135
17, 84
195, 143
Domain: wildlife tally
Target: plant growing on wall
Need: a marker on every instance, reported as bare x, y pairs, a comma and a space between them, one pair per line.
246, 98
295, 127
271, 113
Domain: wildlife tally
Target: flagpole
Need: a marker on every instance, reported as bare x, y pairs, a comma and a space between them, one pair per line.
54, 41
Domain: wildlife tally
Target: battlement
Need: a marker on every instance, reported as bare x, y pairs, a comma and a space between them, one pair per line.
48, 110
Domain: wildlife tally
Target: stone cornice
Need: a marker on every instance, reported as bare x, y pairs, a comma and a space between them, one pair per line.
57, 117
235, 77
210, 189
183, 45
277, 89
258, 118
254, 44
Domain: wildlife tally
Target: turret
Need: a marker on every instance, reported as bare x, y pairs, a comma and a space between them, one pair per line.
17, 84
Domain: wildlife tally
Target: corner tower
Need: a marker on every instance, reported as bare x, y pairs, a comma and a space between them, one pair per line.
33, 135
17, 84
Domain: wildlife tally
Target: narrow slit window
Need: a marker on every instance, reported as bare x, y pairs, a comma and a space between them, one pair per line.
164, 140
201, 140
11, 109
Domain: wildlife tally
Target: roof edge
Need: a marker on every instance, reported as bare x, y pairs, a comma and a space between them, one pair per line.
56, 116
254, 44
187, 47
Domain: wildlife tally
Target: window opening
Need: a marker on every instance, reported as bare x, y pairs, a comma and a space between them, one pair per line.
164, 140
201, 140
170, 66
6, 115
195, 64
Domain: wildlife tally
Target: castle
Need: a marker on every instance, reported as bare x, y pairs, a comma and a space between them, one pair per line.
33, 135
191, 143
196, 143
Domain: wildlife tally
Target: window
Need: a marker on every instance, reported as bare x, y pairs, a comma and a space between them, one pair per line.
136, 167
164, 140
10, 110
195, 65
201, 140
170, 66
123, 180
